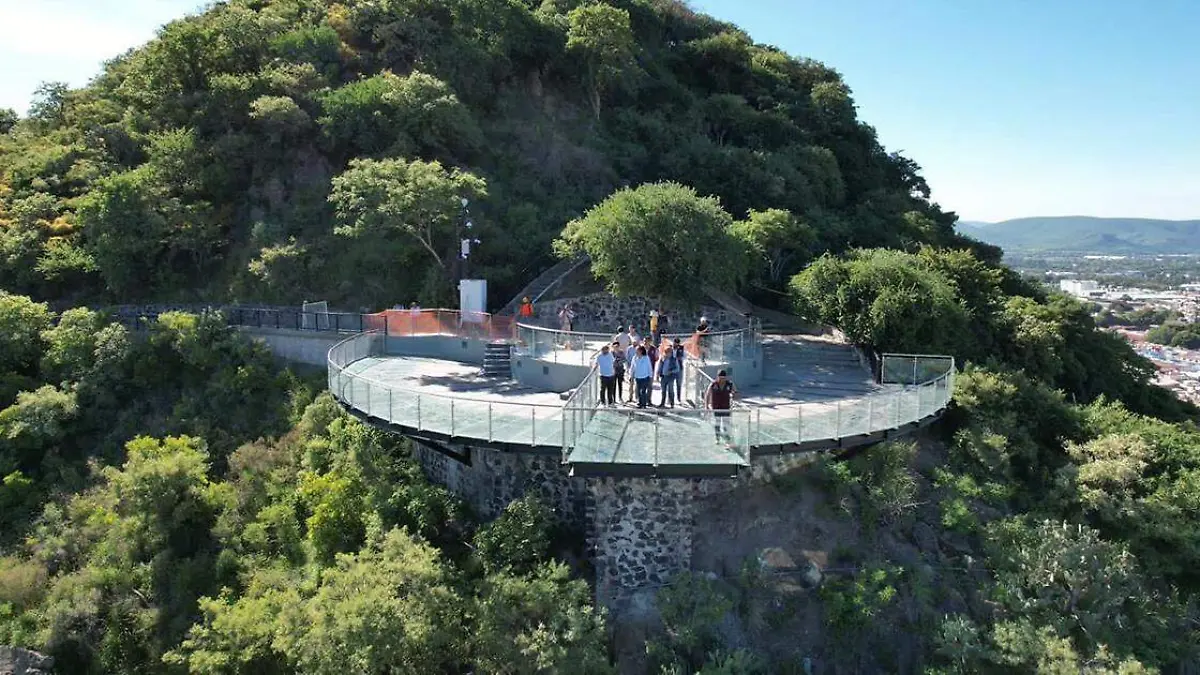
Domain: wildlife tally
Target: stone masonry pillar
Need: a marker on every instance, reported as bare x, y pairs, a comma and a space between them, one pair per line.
640, 531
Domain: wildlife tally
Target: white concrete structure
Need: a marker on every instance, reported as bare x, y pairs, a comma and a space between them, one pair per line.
1080, 288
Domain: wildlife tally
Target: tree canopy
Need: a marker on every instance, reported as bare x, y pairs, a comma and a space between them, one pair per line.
658, 240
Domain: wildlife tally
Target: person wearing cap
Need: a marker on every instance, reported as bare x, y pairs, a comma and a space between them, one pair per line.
654, 325
526, 311
719, 399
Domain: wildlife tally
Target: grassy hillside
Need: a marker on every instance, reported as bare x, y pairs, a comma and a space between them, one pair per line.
1082, 234
201, 165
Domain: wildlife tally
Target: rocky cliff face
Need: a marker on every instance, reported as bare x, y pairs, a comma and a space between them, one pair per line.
17, 661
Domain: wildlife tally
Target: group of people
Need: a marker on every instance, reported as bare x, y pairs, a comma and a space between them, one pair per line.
643, 361
639, 362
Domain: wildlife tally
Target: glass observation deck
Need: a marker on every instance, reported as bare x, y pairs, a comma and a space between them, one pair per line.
450, 401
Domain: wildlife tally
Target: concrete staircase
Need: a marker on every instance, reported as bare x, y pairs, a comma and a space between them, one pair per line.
497, 360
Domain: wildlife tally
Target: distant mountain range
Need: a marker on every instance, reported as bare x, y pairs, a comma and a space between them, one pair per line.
1085, 234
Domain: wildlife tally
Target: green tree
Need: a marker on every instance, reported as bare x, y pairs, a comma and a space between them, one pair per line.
601, 35
414, 114
517, 540
540, 623
422, 201
658, 240
389, 605
884, 298
781, 240
21, 324
8, 120
34, 427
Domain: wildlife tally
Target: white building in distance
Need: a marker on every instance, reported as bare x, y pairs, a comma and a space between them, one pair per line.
1080, 288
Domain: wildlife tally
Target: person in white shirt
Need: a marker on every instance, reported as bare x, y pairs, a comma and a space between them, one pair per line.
623, 338
608, 377
643, 375
630, 355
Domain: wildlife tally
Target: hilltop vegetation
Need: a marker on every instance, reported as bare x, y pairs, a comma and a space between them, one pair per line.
202, 165
1083, 234
174, 502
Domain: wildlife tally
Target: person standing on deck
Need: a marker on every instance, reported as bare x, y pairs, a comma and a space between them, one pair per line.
669, 369
701, 335
624, 337
654, 325
643, 376
681, 355
720, 399
663, 326
526, 311
651, 351
607, 367
618, 353
630, 357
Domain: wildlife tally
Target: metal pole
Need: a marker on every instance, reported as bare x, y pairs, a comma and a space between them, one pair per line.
838, 419
799, 423
870, 412
914, 380
368, 399
489, 422
532, 427
656, 418
389, 413
452, 417
418, 412
385, 332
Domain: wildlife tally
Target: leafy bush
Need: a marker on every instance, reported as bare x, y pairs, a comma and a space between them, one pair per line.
518, 540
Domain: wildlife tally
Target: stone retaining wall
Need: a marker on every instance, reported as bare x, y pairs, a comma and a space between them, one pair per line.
603, 312
494, 479
639, 530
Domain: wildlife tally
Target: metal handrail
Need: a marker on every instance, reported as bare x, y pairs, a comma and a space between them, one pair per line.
385, 385
754, 424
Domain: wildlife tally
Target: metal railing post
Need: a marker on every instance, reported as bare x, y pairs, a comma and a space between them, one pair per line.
914, 379
368, 398
838, 421
489, 422
656, 418
451, 417
390, 408
870, 413
532, 426
799, 423
418, 412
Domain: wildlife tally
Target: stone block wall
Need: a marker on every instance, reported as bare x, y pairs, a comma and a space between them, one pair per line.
603, 312
495, 478
640, 532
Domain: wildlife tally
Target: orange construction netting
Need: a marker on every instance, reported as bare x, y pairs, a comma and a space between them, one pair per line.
406, 322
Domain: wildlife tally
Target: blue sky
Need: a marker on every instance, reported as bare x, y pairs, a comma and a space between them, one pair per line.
1013, 108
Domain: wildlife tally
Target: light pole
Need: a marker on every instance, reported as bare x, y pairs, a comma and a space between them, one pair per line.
465, 242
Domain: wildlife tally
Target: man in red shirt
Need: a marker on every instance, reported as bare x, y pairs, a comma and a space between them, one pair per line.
719, 399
